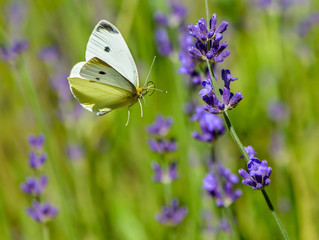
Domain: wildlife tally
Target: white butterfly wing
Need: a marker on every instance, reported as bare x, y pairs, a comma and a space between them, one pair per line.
107, 44
97, 96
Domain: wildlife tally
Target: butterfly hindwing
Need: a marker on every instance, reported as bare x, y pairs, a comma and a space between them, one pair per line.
107, 44
97, 96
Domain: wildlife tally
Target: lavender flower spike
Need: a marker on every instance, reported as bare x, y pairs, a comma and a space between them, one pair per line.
206, 37
42, 212
172, 215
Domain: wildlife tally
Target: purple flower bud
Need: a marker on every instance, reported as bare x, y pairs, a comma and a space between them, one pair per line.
235, 100
226, 96
222, 47
209, 55
34, 186
213, 22
218, 37
222, 27
36, 142
42, 212
172, 215
35, 161
158, 172
218, 59
210, 34
195, 52
202, 25
221, 106
212, 110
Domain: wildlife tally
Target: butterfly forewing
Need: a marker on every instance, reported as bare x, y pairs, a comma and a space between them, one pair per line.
107, 44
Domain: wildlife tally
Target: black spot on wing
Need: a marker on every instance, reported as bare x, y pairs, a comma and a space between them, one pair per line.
107, 27
101, 72
107, 49
97, 79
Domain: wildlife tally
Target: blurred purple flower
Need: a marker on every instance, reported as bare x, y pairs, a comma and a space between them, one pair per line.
162, 176
60, 85
42, 212
307, 24
74, 152
224, 225
211, 125
263, 3
49, 54
189, 108
161, 19
14, 50
278, 111
36, 141
16, 13
163, 43
36, 161
178, 12
225, 196
172, 215
34, 186
161, 126
259, 172
162, 145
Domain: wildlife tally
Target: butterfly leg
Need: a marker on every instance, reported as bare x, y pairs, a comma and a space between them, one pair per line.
139, 100
128, 117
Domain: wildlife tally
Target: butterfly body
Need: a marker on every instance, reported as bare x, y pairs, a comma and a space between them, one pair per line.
108, 79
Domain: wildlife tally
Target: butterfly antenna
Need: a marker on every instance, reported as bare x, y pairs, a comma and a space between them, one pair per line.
141, 107
149, 72
128, 117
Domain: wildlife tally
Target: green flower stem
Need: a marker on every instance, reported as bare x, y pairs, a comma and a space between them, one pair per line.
45, 232
235, 136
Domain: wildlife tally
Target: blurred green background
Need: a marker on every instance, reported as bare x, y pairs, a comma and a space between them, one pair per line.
107, 192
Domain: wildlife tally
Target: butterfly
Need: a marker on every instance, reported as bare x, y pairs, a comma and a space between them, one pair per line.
108, 79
